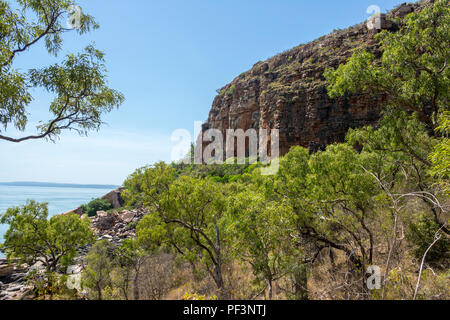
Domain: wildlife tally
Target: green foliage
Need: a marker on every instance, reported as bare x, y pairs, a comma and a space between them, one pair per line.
331, 196
152, 232
130, 253
194, 209
413, 72
398, 136
421, 235
440, 157
78, 83
32, 237
96, 276
262, 229
185, 213
147, 183
351, 201
50, 286
96, 205
224, 173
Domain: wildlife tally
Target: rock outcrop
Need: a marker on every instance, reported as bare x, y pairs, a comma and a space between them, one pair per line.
289, 92
116, 226
115, 198
13, 285
113, 226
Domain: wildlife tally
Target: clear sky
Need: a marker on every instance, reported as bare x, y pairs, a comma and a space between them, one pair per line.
168, 57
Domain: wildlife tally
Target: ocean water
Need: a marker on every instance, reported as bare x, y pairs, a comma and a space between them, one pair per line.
59, 200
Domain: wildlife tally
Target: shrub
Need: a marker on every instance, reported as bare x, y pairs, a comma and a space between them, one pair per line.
96, 205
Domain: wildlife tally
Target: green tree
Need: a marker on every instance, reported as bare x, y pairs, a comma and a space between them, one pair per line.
147, 185
413, 77
96, 277
332, 199
421, 234
132, 256
262, 231
78, 82
440, 157
31, 237
196, 208
192, 211
96, 205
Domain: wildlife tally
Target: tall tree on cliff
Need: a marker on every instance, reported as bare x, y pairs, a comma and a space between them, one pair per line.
78, 82
413, 72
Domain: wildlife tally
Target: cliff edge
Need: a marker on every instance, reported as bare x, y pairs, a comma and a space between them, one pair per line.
289, 92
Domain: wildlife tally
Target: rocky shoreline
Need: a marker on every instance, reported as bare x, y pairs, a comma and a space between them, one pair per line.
114, 226
13, 285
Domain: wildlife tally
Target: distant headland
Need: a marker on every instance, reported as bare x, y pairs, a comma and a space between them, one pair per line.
57, 185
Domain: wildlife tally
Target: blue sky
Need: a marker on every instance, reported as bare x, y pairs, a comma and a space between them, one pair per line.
168, 57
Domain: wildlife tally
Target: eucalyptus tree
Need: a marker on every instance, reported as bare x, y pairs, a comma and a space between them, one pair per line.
186, 213
78, 82
333, 199
96, 276
413, 77
262, 228
32, 237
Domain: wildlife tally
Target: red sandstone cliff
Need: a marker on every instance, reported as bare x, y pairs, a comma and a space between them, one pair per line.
288, 92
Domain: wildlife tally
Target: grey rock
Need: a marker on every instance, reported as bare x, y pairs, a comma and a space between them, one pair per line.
15, 288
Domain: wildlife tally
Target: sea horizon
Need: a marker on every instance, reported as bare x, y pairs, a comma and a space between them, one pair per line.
58, 184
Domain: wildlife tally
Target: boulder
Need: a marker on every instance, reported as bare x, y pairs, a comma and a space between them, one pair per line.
6, 270
402, 10
115, 198
127, 216
104, 220
78, 211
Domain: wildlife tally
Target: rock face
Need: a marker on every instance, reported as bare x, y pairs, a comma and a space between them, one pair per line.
115, 198
13, 284
289, 92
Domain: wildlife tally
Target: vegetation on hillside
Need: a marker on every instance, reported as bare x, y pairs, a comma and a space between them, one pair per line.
315, 228
96, 205
379, 202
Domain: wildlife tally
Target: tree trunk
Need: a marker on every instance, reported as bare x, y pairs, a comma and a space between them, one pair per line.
136, 286
391, 251
99, 293
218, 278
269, 289
301, 283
